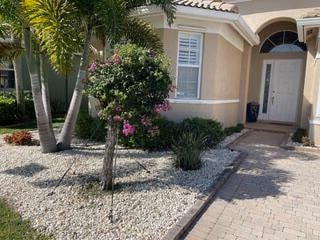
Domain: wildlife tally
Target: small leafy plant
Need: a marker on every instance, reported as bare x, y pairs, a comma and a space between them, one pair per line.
307, 142
299, 135
235, 129
206, 127
21, 138
188, 150
90, 128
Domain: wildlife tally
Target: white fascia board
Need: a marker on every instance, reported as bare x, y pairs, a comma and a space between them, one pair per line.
304, 25
238, 1
234, 19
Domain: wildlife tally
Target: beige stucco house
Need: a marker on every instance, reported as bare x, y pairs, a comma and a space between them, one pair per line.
227, 54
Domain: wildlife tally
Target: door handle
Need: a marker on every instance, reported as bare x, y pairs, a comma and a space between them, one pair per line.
272, 100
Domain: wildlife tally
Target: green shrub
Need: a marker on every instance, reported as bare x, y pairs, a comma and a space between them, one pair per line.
235, 129
188, 150
8, 110
167, 131
206, 127
90, 128
29, 105
298, 135
307, 142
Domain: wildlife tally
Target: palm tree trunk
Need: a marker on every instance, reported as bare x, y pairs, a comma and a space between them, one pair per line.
70, 122
45, 88
46, 135
17, 66
107, 170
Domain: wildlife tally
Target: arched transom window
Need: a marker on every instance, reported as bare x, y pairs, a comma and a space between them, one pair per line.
283, 42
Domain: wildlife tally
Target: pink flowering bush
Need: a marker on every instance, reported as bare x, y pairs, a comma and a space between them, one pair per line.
128, 129
132, 87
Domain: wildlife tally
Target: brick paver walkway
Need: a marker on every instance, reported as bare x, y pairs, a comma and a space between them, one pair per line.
274, 195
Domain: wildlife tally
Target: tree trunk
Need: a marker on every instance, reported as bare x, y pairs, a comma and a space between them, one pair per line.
17, 66
70, 122
107, 170
45, 88
46, 135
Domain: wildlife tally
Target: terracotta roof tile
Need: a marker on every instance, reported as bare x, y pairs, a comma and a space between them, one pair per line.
216, 5
313, 14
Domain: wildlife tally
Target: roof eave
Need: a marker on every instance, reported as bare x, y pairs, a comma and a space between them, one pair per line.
305, 24
234, 19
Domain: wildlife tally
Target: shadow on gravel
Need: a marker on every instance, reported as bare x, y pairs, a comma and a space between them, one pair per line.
79, 179
84, 179
27, 171
122, 153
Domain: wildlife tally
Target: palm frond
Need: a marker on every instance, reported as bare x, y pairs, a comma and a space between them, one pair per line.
10, 13
111, 19
4, 30
168, 6
142, 33
9, 49
56, 25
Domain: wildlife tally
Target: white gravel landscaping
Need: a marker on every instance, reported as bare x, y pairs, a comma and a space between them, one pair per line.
146, 203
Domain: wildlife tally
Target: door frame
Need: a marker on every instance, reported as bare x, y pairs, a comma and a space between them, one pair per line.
265, 116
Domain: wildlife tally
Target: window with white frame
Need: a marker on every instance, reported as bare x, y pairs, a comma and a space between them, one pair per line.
6, 76
189, 65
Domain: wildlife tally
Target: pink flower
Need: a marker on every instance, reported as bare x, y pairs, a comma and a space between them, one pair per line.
151, 53
93, 67
145, 121
116, 59
165, 106
117, 118
128, 129
153, 131
119, 109
158, 108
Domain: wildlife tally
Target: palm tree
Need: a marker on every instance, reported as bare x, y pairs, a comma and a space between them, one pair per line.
11, 50
106, 19
46, 134
11, 15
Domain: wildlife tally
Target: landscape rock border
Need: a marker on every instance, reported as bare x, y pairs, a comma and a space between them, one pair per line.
182, 227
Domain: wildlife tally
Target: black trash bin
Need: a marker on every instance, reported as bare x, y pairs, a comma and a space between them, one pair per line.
252, 111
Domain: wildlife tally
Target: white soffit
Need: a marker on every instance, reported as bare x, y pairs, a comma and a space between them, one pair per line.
234, 19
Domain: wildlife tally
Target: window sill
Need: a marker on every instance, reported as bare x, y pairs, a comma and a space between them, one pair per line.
198, 101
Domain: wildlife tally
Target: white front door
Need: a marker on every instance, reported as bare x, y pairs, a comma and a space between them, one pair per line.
280, 90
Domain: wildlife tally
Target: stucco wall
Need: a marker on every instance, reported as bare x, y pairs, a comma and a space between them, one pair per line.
244, 84
314, 79
309, 93
314, 134
221, 75
259, 13
227, 114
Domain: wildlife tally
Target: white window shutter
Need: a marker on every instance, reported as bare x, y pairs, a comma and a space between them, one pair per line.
189, 65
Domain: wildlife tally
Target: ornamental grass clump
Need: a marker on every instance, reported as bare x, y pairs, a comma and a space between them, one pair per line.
188, 150
132, 87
